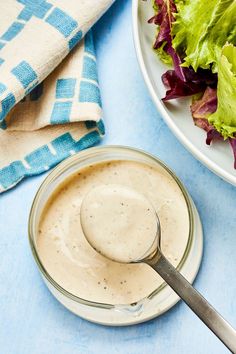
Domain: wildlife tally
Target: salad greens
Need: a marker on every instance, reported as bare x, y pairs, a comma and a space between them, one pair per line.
199, 38
201, 29
224, 119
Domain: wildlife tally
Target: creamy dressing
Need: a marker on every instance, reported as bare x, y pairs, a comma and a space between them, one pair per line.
76, 266
119, 223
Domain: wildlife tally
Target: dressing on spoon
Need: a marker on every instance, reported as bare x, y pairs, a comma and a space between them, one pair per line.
119, 223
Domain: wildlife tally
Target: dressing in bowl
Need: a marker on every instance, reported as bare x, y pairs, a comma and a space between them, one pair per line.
86, 282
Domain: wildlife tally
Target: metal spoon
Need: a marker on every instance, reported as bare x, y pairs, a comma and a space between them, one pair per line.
198, 304
155, 259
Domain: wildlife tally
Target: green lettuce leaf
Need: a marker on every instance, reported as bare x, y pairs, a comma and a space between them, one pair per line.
165, 57
224, 119
202, 28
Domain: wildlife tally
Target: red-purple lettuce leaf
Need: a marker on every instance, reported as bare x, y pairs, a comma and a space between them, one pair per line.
201, 108
165, 10
195, 82
204, 105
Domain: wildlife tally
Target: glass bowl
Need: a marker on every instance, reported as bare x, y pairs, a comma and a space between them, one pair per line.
159, 300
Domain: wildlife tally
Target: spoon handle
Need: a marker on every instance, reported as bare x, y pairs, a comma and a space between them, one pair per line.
213, 320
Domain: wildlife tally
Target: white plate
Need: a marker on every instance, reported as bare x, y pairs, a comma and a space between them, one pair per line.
218, 157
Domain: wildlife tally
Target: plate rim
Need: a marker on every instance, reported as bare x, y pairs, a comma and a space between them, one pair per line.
200, 156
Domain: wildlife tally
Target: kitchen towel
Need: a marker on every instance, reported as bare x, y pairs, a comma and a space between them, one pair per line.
50, 104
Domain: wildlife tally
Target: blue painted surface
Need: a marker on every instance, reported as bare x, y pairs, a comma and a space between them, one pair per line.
31, 320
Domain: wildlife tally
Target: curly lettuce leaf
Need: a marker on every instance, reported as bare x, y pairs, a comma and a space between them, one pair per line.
224, 119
163, 55
201, 29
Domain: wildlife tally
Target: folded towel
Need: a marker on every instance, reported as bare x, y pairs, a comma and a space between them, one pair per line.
50, 104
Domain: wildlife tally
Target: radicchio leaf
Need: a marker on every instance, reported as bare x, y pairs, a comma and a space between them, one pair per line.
195, 82
213, 135
204, 106
164, 19
201, 109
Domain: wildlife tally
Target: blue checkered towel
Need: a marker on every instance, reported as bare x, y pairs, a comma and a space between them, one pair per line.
50, 105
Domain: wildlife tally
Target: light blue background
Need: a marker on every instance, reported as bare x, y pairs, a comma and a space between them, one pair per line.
31, 320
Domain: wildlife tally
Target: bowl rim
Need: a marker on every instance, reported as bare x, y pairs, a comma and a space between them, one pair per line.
60, 168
